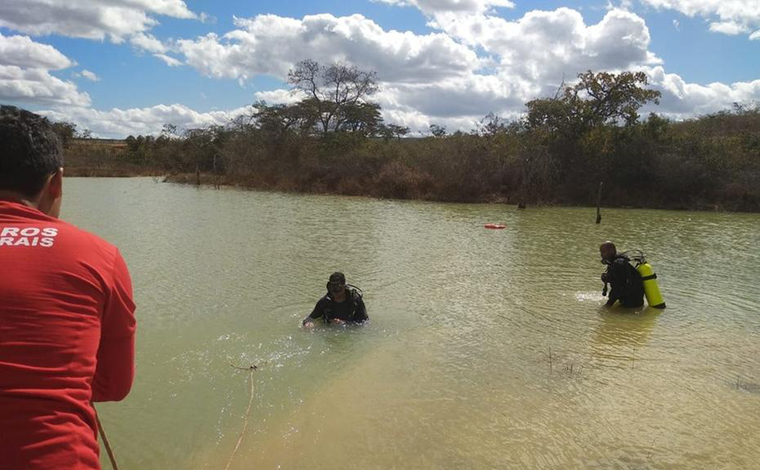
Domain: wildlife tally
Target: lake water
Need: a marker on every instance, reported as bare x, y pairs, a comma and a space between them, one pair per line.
486, 349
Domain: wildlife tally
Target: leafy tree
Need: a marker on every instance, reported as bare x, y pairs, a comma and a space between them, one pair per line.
597, 99
389, 131
362, 118
279, 119
333, 91
66, 131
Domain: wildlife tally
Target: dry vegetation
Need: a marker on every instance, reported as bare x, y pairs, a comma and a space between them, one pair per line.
557, 154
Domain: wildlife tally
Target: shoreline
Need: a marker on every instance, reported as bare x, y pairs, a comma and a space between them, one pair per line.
218, 181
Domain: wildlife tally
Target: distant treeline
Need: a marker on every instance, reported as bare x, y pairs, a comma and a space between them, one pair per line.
335, 141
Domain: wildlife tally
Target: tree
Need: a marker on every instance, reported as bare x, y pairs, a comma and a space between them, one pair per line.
246, 120
363, 118
610, 97
66, 132
169, 131
597, 99
132, 143
333, 90
279, 119
491, 125
437, 131
201, 147
389, 131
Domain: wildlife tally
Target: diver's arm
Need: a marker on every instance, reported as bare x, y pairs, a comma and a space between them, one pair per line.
318, 312
360, 316
614, 295
616, 277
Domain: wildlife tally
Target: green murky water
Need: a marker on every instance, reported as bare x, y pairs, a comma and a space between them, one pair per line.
486, 349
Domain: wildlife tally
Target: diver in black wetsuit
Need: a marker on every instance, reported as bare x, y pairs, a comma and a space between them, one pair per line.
341, 305
625, 281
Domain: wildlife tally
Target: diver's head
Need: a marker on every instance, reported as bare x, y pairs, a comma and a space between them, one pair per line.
608, 251
337, 283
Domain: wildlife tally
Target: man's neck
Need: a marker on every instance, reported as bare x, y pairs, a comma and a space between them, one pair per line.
12, 196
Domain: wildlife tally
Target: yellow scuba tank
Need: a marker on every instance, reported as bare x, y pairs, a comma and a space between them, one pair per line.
651, 288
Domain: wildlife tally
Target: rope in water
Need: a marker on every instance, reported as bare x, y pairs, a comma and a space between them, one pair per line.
250, 370
112, 457
107, 444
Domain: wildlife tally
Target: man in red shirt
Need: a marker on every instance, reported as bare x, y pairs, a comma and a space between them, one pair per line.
67, 320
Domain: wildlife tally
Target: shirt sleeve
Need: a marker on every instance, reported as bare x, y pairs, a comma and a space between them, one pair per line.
361, 311
318, 311
115, 369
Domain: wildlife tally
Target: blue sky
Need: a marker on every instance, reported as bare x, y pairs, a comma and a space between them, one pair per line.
701, 55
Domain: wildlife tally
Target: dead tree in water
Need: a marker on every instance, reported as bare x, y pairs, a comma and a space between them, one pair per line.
599, 204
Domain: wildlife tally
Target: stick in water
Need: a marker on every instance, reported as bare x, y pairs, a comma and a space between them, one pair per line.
250, 370
599, 203
106, 444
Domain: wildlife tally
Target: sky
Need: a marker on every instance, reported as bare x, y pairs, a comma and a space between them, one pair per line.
127, 67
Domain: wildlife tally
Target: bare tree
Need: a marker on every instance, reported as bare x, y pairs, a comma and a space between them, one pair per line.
333, 90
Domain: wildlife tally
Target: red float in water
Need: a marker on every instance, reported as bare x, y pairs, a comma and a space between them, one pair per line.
495, 226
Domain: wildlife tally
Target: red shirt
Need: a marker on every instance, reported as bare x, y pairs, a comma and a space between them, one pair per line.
67, 330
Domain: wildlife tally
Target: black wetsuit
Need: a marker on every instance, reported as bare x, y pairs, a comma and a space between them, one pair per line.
625, 282
351, 310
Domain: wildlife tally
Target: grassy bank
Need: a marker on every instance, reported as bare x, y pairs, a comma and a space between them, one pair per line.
103, 158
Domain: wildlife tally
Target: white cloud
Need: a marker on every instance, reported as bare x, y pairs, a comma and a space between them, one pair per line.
471, 97
23, 52
91, 19
435, 73
271, 45
279, 96
38, 86
439, 78
725, 16
682, 100
170, 61
728, 27
543, 45
90, 76
431, 73
206, 18
148, 42
118, 123
25, 74
438, 6
419, 123
475, 62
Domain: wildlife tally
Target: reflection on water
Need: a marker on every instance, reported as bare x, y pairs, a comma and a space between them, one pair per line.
486, 349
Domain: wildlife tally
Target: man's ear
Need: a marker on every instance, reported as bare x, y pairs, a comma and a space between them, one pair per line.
55, 188
49, 200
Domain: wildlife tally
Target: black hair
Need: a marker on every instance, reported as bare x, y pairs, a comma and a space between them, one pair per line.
30, 151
